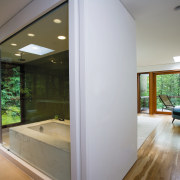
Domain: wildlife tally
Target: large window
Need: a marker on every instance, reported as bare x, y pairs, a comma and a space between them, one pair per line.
168, 84
35, 94
153, 84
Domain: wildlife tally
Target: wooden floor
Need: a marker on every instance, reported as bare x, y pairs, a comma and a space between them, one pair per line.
8, 171
159, 156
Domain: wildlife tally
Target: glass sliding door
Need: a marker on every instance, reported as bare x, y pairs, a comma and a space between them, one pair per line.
169, 85
35, 94
144, 93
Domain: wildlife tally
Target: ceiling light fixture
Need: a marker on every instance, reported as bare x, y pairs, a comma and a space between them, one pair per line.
57, 21
21, 59
17, 54
31, 35
176, 59
35, 49
53, 61
13, 44
61, 37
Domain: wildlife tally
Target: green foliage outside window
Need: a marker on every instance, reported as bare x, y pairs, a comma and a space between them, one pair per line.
10, 94
168, 84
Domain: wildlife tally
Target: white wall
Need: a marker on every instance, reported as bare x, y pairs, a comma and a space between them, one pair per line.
31, 12
102, 84
162, 67
105, 53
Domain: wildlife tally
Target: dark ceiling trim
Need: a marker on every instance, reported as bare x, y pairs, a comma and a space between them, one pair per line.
16, 14
34, 21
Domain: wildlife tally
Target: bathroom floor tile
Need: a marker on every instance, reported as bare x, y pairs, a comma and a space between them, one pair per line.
8, 171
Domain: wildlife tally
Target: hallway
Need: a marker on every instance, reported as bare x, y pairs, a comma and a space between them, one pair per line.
158, 157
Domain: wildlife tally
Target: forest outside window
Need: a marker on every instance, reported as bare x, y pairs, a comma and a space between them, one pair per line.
167, 84
153, 84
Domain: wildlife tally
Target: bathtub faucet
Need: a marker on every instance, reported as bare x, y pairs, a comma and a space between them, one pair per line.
61, 119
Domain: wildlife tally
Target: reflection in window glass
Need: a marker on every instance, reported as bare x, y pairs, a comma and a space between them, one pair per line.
35, 94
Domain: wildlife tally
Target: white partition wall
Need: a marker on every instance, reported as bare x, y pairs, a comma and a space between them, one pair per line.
102, 84
103, 89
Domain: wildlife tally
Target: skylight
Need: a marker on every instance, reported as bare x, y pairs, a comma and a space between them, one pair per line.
176, 59
35, 49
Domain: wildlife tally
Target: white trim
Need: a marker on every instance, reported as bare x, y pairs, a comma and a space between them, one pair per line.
83, 138
74, 81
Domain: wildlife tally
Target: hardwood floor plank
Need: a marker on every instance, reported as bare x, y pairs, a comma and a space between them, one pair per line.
159, 156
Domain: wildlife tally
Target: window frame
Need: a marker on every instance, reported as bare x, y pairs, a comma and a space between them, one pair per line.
152, 90
155, 91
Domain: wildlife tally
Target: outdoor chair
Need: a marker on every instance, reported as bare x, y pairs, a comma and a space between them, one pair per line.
170, 106
166, 102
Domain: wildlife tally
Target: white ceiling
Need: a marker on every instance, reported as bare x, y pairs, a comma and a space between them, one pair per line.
9, 8
158, 30
46, 33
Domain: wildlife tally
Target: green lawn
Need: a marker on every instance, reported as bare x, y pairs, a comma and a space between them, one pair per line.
11, 115
7, 119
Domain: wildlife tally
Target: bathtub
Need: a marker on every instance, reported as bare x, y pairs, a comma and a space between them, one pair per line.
45, 145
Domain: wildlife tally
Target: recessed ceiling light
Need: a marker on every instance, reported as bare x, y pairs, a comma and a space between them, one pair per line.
57, 21
61, 37
17, 54
176, 59
13, 44
53, 61
31, 35
35, 49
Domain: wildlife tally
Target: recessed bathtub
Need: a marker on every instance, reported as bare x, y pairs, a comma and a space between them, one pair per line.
45, 145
